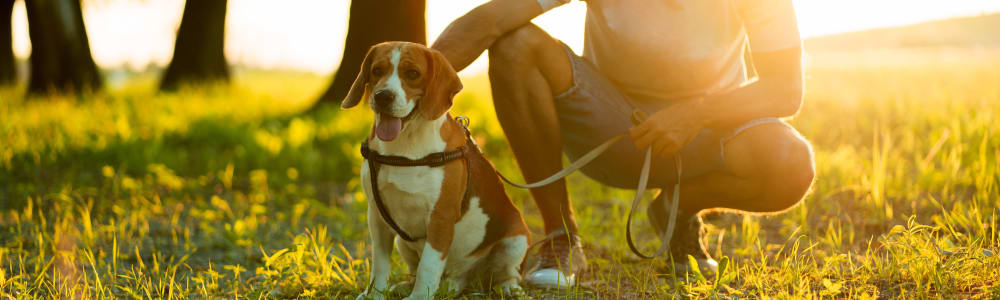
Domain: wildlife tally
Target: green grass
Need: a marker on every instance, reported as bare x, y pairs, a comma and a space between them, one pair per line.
230, 192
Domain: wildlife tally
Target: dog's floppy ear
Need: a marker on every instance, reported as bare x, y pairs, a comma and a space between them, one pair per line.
441, 85
360, 87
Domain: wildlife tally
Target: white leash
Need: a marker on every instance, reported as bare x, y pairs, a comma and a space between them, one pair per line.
576, 165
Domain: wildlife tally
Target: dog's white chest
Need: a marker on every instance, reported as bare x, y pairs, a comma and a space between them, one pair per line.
419, 182
409, 193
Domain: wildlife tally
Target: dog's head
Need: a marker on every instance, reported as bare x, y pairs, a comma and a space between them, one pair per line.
403, 82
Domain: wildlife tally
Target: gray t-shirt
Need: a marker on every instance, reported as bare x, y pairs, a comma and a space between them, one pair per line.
663, 50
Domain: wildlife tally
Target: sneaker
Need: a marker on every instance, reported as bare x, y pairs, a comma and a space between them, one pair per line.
560, 258
686, 239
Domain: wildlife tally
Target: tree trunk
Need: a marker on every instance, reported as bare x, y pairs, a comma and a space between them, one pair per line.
8, 72
60, 51
199, 49
372, 22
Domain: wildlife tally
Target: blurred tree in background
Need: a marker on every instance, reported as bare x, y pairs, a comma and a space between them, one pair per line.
372, 22
8, 74
199, 49
60, 52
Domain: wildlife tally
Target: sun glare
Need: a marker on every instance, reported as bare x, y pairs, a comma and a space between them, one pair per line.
309, 35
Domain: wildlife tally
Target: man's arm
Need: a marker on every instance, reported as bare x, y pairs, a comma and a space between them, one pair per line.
468, 36
776, 93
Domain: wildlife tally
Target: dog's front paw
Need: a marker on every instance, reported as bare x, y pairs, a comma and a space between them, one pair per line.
418, 296
402, 288
510, 289
371, 295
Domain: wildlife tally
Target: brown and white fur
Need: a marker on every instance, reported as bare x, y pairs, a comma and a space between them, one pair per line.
481, 241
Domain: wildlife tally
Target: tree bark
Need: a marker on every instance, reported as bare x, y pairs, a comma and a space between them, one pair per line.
199, 55
8, 72
372, 22
60, 51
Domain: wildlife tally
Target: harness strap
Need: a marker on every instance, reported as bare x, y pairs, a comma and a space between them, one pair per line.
382, 210
436, 159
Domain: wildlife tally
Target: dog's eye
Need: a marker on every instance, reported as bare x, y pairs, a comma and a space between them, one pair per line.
377, 71
412, 74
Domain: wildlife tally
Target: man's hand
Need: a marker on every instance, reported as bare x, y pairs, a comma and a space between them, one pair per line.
670, 129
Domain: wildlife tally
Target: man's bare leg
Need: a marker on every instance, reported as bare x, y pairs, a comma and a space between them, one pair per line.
528, 67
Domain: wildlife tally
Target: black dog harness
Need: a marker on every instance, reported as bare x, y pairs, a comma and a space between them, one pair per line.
437, 159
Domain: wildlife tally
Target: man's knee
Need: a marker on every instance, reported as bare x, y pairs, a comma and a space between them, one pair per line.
530, 50
782, 165
790, 172
516, 47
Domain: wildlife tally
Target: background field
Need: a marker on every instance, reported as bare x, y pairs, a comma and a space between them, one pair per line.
232, 192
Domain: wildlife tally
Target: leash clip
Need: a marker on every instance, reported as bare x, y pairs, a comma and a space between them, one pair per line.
464, 121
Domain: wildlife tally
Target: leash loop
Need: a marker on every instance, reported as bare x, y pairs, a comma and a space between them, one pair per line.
639, 116
643, 180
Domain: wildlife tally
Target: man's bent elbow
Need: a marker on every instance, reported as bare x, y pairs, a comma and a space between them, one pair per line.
789, 94
790, 107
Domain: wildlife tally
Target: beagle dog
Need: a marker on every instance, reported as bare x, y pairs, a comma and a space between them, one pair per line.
456, 220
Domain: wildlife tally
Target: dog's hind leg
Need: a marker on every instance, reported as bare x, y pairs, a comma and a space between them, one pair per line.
505, 264
456, 284
410, 254
411, 257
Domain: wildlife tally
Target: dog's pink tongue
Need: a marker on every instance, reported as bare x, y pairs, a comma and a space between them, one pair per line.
388, 127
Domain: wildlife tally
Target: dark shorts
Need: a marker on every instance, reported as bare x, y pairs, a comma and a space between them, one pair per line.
593, 110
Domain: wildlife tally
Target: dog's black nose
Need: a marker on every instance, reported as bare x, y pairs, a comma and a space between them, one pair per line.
384, 98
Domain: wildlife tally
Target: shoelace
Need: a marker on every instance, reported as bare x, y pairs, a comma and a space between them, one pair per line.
558, 241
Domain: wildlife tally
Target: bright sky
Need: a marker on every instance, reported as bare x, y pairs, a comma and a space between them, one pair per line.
310, 34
